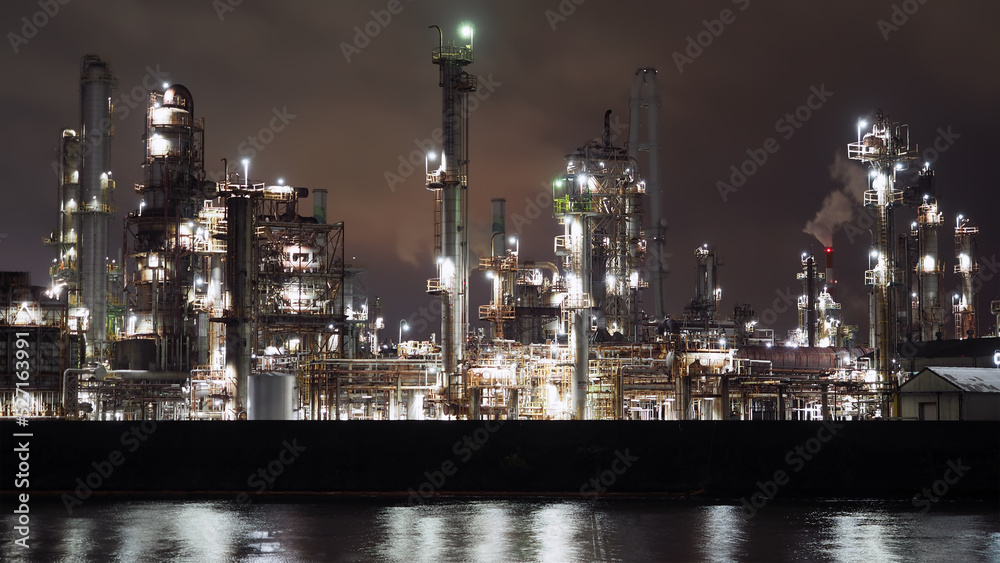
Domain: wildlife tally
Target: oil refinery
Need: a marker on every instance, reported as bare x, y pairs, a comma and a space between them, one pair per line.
231, 300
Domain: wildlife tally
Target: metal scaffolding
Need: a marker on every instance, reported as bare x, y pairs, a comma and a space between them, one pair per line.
887, 150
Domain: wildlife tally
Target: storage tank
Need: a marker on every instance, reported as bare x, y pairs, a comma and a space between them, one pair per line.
803, 359
271, 397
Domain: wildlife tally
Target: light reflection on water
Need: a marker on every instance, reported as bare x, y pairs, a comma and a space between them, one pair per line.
501, 530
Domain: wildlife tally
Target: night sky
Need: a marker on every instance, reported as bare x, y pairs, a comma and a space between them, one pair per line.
548, 71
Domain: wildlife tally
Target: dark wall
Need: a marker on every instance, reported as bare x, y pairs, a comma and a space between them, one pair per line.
724, 459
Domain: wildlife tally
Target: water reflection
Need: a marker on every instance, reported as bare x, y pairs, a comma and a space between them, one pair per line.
722, 532
501, 530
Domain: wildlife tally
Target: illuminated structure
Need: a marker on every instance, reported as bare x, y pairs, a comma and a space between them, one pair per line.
886, 149
35, 316
86, 206
930, 271
599, 204
820, 322
240, 306
449, 182
166, 249
995, 310
501, 269
964, 302
644, 97
219, 272
707, 293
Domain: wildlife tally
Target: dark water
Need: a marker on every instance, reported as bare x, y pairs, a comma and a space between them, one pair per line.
501, 530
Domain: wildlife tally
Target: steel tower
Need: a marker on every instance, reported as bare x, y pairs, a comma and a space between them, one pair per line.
162, 238
96, 206
644, 97
964, 303
449, 182
599, 203
887, 150
930, 271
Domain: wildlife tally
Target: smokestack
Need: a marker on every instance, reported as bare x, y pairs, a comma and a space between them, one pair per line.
499, 246
831, 282
606, 136
811, 300
319, 205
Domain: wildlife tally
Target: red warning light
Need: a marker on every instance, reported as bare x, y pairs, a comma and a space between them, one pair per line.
829, 249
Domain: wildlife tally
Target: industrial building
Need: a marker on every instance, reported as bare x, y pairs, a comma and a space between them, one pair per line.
230, 301
952, 394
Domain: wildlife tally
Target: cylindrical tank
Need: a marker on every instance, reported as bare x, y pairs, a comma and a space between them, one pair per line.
803, 359
271, 397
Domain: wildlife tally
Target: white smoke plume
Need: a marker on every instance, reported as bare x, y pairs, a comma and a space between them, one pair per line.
838, 207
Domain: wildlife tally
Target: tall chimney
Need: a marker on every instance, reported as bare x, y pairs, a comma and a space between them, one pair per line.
319, 205
499, 226
831, 282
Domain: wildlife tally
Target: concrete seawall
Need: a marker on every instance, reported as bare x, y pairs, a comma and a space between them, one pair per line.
716, 459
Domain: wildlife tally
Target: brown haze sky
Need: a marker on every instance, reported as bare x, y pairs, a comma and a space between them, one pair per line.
551, 78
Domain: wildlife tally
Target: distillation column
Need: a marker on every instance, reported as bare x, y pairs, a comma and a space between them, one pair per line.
501, 269
599, 203
707, 293
95, 207
162, 237
644, 97
63, 271
450, 181
964, 304
929, 270
239, 336
887, 150
808, 302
